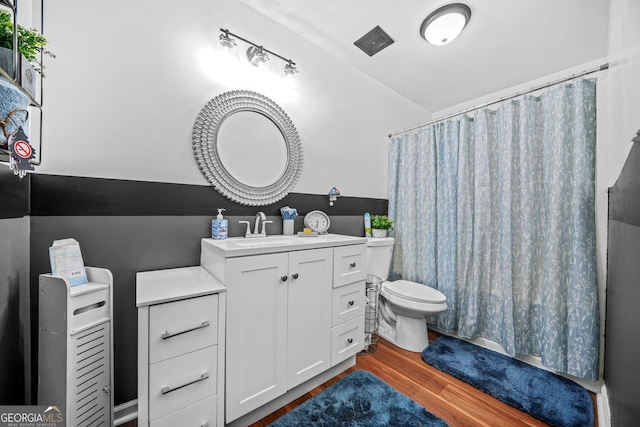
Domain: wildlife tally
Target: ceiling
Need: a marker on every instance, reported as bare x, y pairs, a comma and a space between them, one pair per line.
506, 43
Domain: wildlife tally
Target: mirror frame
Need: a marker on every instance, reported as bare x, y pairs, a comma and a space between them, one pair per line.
205, 147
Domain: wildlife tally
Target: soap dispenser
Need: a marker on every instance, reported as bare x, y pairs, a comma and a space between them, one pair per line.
219, 227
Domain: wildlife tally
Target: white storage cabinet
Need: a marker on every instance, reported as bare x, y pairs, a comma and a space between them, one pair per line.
75, 347
181, 322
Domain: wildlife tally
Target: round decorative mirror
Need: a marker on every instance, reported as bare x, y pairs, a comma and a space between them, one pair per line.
247, 148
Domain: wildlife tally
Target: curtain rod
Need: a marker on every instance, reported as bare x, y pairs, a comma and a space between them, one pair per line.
517, 94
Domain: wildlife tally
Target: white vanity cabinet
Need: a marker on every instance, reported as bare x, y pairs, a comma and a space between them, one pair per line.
295, 316
278, 325
181, 330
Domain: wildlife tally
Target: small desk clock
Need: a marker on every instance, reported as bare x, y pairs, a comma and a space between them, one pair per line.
317, 221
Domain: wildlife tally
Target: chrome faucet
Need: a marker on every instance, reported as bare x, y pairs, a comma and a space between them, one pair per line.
261, 219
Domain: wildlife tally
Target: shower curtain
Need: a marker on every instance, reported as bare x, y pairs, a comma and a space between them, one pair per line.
497, 211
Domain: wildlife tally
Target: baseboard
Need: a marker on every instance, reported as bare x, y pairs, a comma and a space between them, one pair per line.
125, 412
604, 412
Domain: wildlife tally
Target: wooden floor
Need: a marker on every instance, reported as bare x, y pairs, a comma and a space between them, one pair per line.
456, 402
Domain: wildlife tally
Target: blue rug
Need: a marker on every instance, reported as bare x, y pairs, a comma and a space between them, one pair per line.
359, 399
551, 398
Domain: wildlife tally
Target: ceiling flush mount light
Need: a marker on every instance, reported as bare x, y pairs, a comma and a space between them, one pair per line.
445, 24
259, 57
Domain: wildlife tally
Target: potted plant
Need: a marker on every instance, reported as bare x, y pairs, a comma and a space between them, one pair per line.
30, 43
381, 225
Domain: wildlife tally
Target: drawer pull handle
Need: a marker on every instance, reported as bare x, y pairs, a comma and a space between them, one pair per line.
166, 390
294, 275
351, 302
350, 340
167, 335
352, 265
284, 278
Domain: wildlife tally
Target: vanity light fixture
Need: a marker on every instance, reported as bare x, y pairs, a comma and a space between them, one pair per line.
445, 23
259, 57
226, 42
290, 76
228, 45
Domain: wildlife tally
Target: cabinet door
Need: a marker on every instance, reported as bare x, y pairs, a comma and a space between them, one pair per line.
256, 332
89, 399
309, 323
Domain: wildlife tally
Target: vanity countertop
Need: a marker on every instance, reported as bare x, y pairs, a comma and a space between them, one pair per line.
155, 287
243, 246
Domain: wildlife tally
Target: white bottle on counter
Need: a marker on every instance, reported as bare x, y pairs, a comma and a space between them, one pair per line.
219, 227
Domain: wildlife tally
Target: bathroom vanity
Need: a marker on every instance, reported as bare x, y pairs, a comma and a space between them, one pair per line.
295, 315
261, 322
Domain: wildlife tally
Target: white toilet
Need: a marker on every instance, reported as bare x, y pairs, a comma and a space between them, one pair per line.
404, 305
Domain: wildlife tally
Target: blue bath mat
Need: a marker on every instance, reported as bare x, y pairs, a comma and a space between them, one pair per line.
359, 399
551, 398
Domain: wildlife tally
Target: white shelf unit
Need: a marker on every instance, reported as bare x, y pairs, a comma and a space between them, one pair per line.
75, 347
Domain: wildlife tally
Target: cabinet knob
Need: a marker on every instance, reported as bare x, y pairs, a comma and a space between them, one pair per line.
352, 265
351, 302
350, 340
284, 278
294, 275
106, 389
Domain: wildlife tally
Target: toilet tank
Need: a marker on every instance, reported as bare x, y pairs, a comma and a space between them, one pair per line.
379, 251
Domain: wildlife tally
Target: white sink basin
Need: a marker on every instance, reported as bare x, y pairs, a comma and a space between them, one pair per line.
241, 246
261, 242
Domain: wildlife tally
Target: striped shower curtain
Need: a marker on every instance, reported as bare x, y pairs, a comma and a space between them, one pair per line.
497, 211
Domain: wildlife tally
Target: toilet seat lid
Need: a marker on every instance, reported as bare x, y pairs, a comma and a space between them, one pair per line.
415, 292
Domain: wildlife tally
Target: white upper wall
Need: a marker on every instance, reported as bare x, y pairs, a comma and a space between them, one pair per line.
121, 98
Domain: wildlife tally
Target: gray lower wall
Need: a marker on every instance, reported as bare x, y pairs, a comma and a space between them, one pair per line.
15, 344
132, 226
126, 245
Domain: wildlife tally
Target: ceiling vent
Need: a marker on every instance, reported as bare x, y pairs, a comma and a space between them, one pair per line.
374, 41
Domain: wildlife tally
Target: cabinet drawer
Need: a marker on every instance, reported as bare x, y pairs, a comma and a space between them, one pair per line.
182, 326
347, 339
182, 381
348, 302
349, 264
201, 414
